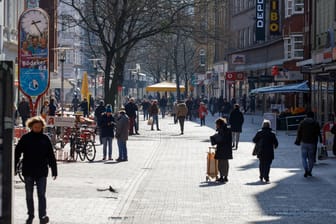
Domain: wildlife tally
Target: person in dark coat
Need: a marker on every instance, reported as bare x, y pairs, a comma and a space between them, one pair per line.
223, 141
267, 142
131, 110
308, 134
38, 156
24, 111
122, 128
84, 105
52, 107
99, 111
236, 120
107, 132
154, 113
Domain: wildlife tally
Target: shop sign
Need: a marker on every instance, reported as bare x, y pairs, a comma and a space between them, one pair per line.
274, 26
238, 59
260, 20
233, 76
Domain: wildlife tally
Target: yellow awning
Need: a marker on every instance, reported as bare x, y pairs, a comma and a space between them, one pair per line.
164, 87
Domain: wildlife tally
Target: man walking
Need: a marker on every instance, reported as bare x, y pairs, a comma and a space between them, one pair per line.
154, 113
131, 109
236, 121
122, 134
308, 134
181, 113
24, 111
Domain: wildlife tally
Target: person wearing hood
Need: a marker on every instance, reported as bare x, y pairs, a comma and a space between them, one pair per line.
38, 156
308, 134
267, 142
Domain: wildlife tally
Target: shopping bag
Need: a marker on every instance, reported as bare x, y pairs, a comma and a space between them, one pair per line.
150, 121
322, 152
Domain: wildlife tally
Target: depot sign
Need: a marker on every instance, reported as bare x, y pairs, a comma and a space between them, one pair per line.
260, 20
274, 26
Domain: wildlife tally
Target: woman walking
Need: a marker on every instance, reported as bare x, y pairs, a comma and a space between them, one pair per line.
266, 141
223, 141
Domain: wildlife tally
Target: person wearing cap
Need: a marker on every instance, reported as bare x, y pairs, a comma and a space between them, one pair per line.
223, 140
202, 112
99, 111
107, 132
122, 128
266, 141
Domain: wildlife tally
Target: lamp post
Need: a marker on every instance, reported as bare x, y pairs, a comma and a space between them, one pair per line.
62, 55
95, 67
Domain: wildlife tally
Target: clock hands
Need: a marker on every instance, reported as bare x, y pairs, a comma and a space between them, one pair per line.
35, 24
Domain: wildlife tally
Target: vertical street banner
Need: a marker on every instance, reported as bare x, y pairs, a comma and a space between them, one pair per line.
274, 27
260, 20
33, 54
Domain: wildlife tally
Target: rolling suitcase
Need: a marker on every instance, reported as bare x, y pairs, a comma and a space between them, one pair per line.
212, 164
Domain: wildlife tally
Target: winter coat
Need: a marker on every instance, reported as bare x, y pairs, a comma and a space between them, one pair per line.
223, 141
131, 109
308, 132
122, 127
24, 109
99, 113
181, 110
202, 111
107, 126
153, 109
38, 155
268, 143
236, 120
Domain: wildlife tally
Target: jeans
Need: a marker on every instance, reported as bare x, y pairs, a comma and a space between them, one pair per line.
41, 185
307, 156
235, 138
202, 121
146, 115
155, 120
122, 149
107, 140
163, 111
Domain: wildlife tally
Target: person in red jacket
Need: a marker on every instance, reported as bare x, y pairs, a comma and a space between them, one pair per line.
202, 112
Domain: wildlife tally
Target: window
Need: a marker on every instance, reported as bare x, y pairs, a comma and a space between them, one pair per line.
294, 47
294, 7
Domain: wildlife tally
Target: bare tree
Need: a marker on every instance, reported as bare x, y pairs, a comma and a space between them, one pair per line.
119, 25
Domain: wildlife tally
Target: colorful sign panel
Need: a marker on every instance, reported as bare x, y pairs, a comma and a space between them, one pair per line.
33, 53
260, 20
233, 76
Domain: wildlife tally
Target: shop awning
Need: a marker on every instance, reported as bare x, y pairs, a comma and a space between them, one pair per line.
164, 87
291, 88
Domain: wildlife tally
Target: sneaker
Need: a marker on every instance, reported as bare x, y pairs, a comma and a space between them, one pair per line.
267, 180
221, 179
44, 220
226, 179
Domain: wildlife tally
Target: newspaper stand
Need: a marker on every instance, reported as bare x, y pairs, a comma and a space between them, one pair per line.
212, 164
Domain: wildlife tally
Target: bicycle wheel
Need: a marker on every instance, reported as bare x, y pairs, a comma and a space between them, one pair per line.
73, 150
19, 171
81, 152
90, 150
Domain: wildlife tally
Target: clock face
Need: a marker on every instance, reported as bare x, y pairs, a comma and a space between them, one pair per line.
34, 22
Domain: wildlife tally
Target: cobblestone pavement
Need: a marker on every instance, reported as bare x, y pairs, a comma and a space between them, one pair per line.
164, 181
